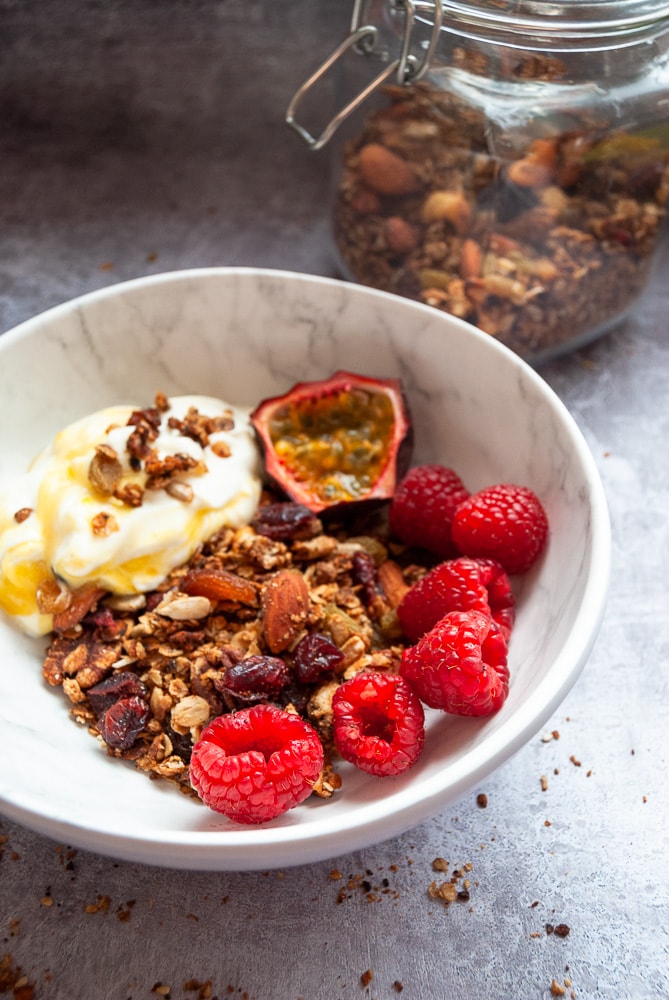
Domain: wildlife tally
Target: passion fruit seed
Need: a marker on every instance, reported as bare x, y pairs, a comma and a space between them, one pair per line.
336, 441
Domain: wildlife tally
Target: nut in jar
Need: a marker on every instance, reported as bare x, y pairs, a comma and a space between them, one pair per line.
520, 188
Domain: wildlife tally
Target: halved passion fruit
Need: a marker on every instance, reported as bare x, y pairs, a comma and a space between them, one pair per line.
342, 440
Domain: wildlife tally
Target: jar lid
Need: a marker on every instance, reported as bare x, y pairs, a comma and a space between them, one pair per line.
551, 24
590, 17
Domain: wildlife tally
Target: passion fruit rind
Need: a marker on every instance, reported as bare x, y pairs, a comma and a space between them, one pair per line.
336, 442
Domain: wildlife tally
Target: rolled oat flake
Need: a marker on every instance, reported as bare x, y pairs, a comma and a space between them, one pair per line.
504, 161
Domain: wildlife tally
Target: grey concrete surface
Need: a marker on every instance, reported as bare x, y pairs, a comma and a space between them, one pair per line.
139, 136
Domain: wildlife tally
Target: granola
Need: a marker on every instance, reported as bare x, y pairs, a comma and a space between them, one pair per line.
542, 248
145, 674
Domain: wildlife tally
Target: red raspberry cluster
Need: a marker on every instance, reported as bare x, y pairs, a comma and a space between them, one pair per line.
459, 616
254, 764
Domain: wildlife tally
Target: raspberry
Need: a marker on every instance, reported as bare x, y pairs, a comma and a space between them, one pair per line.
503, 522
457, 585
378, 723
254, 764
422, 509
460, 665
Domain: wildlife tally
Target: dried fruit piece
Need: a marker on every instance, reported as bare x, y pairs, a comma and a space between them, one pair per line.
255, 764
284, 522
460, 665
504, 522
338, 441
315, 657
120, 724
52, 596
112, 689
220, 585
256, 678
423, 506
378, 723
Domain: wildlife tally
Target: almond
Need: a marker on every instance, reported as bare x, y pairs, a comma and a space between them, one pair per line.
471, 259
285, 608
392, 582
220, 585
385, 172
401, 236
83, 600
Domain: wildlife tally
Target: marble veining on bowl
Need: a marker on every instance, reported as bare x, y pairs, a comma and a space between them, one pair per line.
243, 334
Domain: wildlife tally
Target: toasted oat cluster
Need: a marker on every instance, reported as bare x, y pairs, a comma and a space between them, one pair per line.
538, 247
282, 610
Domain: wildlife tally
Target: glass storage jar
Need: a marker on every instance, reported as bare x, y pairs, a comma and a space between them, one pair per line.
511, 165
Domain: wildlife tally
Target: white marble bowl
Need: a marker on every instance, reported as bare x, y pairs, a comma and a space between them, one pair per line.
244, 334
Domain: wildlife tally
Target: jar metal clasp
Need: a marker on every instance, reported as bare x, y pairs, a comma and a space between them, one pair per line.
406, 68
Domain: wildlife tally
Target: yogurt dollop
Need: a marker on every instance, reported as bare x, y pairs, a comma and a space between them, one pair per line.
60, 522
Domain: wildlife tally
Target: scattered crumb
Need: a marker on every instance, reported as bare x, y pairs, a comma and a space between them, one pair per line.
547, 822
46, 901
575, 762
335, 874
482, 800
101, 906
203, 990
398, 986
544, 783
457, 888
13, 978
373, 891
557, 990
123, 913
366, 977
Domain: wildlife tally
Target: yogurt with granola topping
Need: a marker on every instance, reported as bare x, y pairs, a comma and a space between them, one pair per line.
120, 498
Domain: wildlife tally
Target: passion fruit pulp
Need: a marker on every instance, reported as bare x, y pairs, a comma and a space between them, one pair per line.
341, 440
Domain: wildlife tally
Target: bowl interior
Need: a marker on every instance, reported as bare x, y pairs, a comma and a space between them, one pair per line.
243, 334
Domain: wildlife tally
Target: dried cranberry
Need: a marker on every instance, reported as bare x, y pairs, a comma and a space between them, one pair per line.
121, 685
284, 522
315, 656
364, 571
256, 678
122, 722
106, 625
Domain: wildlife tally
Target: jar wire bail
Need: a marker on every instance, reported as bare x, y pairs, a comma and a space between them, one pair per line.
407, 68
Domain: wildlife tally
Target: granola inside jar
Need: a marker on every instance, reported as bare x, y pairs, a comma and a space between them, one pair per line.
516, 172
